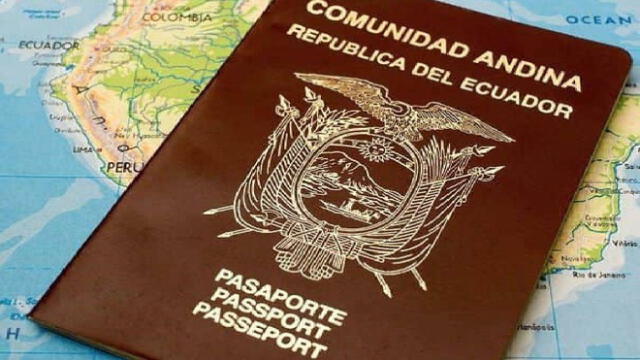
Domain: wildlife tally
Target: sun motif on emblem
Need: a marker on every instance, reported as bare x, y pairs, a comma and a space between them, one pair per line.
377, 150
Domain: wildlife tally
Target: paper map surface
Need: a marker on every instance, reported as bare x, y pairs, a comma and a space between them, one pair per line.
89, 89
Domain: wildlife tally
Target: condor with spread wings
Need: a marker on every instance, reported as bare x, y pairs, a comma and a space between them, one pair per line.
400, 118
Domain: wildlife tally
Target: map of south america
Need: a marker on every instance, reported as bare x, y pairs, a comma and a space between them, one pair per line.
133, 78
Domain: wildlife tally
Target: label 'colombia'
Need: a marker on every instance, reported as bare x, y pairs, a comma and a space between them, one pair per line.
363, 180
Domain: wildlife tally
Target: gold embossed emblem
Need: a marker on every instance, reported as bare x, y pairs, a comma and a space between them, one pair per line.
338, 187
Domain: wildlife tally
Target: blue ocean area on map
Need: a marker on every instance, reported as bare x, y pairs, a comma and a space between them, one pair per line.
51, 199
52, 203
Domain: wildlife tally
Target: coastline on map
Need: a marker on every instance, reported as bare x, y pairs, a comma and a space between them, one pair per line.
57, 108
615, 300
55, 201
633, 83
566, 285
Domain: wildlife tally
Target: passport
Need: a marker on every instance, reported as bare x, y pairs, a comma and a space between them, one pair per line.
370, 179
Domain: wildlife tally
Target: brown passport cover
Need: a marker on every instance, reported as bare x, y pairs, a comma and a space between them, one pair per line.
342, 209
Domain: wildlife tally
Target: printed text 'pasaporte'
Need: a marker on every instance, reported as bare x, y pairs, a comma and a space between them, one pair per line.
269, 314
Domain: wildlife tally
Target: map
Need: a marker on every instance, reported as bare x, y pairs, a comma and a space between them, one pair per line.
89, 89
